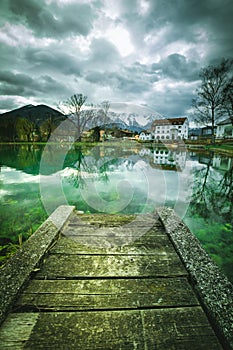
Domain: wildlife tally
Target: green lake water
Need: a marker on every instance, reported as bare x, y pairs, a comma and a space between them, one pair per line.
129, 178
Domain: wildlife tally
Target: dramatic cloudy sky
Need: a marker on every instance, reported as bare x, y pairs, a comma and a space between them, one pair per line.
145, 52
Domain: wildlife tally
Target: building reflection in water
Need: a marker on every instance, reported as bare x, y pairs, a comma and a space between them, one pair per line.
165, 159
222, 163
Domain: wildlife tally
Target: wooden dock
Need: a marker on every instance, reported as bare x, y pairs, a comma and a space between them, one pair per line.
98, 283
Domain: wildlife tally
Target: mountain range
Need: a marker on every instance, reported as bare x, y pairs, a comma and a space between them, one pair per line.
41, 113
38, 114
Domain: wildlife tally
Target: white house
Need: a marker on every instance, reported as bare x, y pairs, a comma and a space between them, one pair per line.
170, 129
224, 129
146, 136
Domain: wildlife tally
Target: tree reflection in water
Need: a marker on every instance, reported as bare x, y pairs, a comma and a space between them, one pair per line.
210, 214
210, 201
212, 190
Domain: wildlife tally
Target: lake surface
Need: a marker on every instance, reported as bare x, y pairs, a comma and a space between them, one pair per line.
129, 178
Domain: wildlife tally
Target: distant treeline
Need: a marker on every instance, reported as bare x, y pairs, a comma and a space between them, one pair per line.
29, 123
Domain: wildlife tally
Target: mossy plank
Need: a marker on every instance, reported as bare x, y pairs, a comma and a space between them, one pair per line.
144, 245
19, 268
132, 232
213, 287
75, 266
101, 219
72, 302
171, 328
16, 330
107, 294
112, 229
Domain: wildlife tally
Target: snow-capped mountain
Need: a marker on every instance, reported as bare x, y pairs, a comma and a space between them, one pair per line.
125, 121
135, 122
132, 116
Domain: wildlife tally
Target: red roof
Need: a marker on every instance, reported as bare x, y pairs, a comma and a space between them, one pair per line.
170, 121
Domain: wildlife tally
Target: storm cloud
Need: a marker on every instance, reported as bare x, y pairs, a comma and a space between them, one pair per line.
138, 51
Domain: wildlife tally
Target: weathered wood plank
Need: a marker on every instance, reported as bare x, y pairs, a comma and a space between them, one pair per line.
145, 245
172, 328
125, 291
107, 294
124, 234
19, 268
75, 266
111, 230
181, 328
213, 287
16, 330
103, 220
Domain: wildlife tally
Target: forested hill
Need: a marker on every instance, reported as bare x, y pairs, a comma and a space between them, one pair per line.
22, 123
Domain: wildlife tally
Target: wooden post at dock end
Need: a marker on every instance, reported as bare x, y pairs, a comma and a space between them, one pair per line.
212, 286
18, 269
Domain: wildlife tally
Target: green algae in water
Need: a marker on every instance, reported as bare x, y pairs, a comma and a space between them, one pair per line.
127, 180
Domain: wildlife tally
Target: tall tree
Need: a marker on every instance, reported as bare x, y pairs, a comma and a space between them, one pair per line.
96, 134
25, 129
73, 106
47, 127
210, 103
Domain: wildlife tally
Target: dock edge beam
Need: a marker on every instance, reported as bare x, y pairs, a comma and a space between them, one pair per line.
18, 269
211, 285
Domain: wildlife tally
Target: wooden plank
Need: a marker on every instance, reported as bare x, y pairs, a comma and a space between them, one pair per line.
212, 286
106, 294
144, 245
19, 268
173, 328
131, 231
103, 220
113, 229
75, 266
16, 330
181, 328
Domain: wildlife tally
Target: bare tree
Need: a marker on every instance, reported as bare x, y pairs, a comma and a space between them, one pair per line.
228, 99
87, 117
73, 106
210, 103
105, 105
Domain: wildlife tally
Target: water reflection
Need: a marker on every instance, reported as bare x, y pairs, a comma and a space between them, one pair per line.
212, 187
24, 157
165, 159
119, 179
210, 214
109, 180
